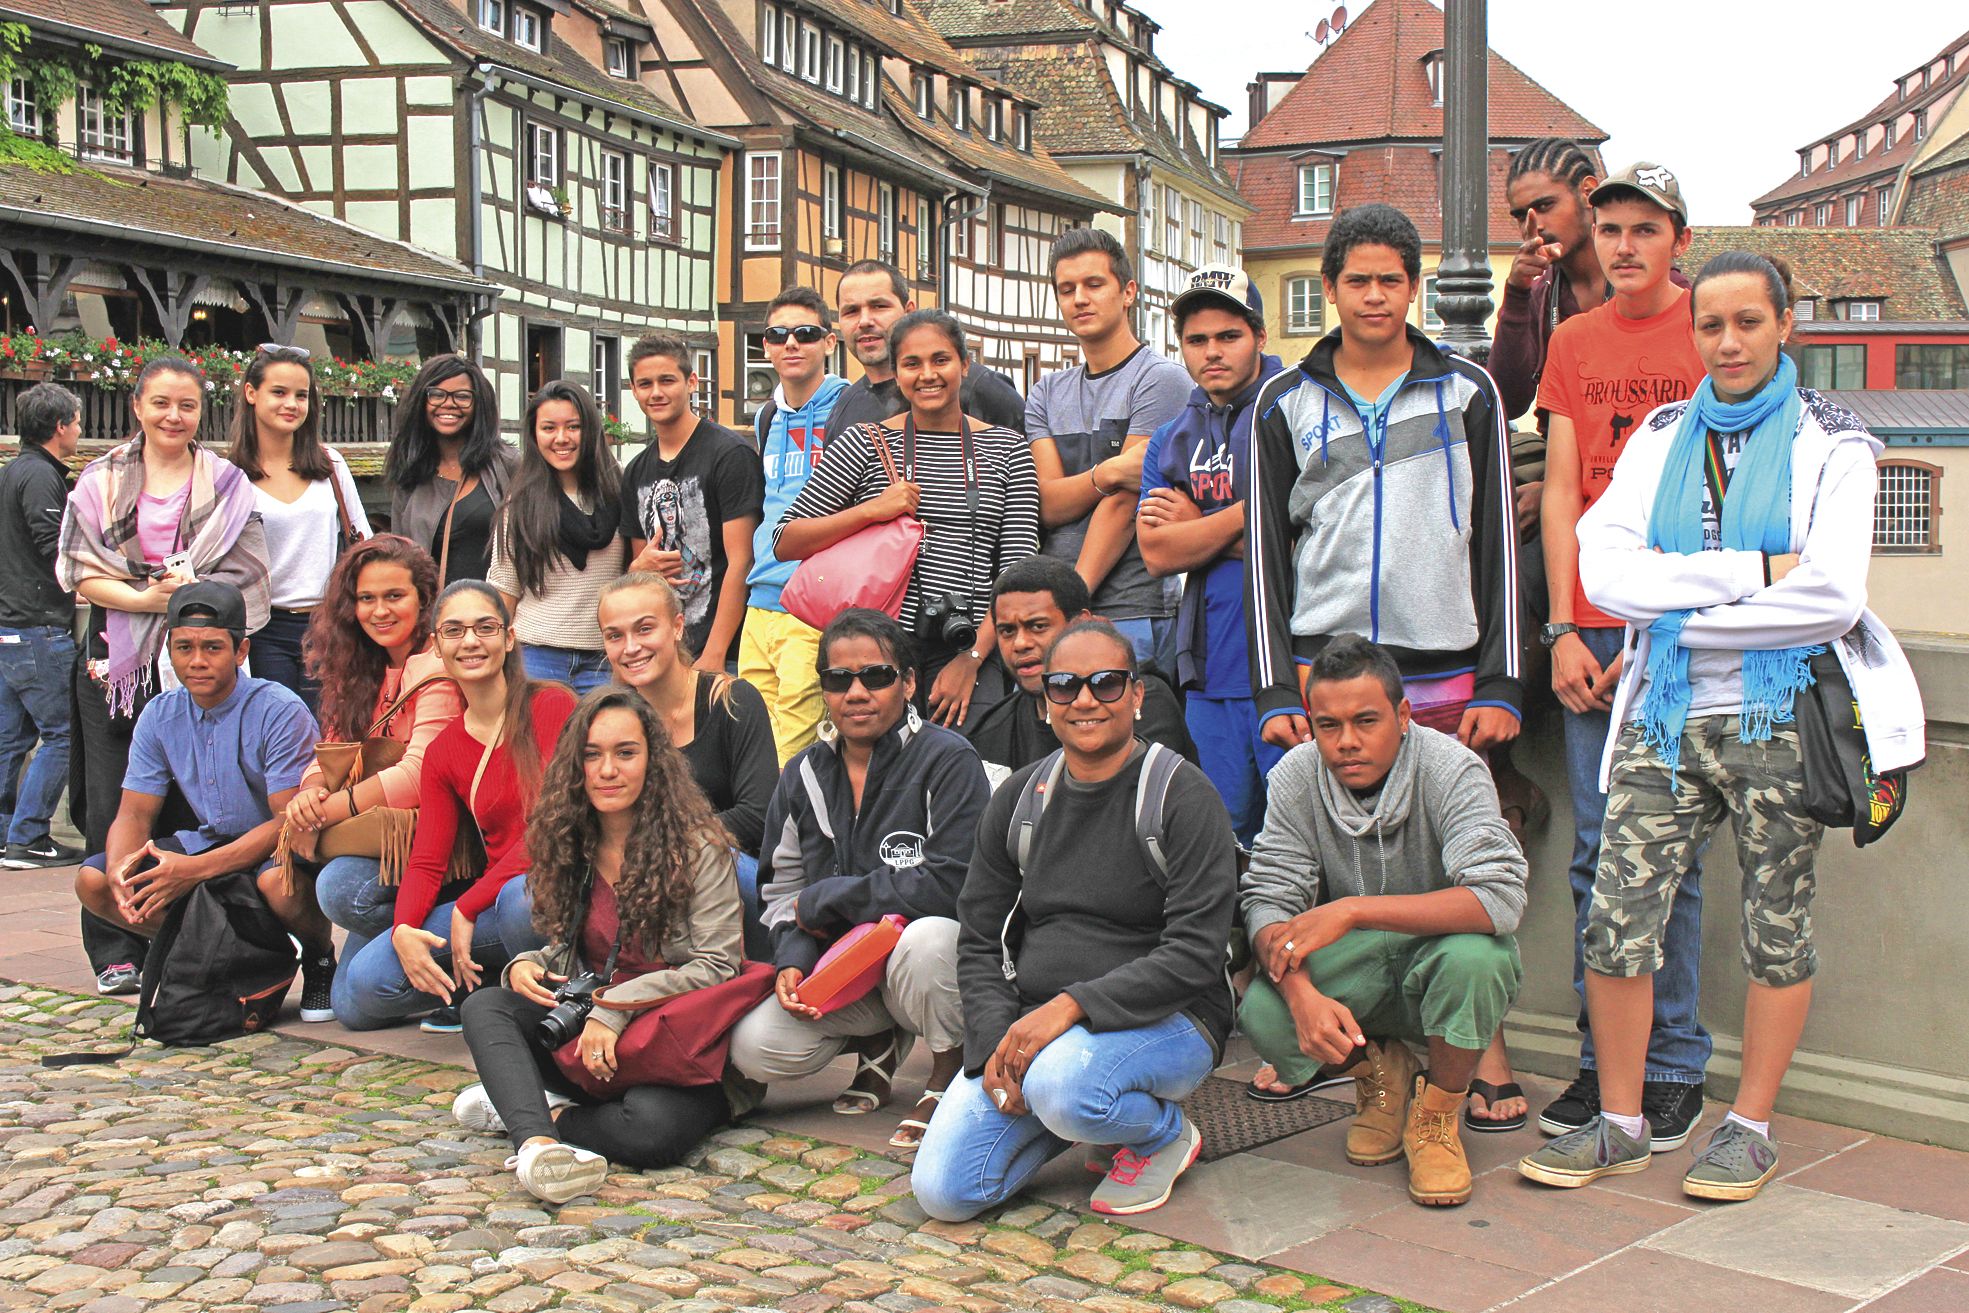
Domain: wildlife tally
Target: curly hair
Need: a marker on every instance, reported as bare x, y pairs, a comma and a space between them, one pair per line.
340, 654
1374, 224
670, 823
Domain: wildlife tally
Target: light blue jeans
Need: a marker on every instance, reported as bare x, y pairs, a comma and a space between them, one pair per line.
1154, 640
1678, 1045
1118, 1087
370, 989
578, 668
510, 918
36, 666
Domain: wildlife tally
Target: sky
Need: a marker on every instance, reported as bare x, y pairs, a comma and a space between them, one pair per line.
1754, 81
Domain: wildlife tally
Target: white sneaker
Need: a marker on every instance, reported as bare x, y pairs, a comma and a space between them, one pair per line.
474, 1111
557, 1172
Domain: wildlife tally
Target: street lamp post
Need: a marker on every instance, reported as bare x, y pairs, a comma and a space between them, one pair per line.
1463, 280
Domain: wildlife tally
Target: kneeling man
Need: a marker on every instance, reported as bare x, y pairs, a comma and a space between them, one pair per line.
1380, 902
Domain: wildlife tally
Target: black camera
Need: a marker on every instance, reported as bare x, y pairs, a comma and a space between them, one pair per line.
946, 621
573, 1001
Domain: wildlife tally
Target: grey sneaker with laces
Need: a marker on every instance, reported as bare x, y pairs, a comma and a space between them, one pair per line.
1596, 1149
1135, 1184
1733, 1165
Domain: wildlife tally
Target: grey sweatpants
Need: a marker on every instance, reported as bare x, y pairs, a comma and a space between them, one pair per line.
918, 993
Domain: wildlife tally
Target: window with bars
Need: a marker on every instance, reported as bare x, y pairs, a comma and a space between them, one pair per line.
662, 202
762, 202
1906, 508
101, 133
23, 113
615, 191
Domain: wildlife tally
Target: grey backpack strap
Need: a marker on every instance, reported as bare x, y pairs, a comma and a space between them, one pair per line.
1152, 801
1031, 806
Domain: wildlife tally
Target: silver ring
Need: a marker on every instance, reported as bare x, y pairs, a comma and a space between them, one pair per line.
1288, 945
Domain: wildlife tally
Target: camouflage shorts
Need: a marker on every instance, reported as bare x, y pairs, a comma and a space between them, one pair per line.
1655, 830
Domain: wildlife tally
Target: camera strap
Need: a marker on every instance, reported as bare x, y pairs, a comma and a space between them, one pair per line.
581, 924
970, 485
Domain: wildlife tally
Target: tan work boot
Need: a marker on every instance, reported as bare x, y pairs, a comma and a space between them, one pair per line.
1438, 1173
1381, 1095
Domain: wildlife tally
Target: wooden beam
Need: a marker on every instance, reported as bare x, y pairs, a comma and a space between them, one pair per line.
171, 292
280, 301
43, 283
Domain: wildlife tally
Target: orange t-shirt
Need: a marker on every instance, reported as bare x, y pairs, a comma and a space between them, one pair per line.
1604, 373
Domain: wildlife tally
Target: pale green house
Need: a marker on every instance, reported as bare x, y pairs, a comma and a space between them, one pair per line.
513, 136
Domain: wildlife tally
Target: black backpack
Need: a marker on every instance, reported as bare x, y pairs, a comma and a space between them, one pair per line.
220, 967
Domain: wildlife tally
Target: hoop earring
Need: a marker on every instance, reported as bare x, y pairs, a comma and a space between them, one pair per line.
826, 731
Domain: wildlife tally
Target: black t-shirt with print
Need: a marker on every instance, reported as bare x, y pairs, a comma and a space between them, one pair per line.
682, 505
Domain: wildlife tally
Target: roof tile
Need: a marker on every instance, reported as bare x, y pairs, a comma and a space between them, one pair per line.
124, 23
1404, 176
1899, 267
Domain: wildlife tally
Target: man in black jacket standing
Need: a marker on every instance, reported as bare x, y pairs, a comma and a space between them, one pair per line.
871, 298
37, 621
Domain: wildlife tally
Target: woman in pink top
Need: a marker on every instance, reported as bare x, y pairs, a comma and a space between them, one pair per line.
369, 644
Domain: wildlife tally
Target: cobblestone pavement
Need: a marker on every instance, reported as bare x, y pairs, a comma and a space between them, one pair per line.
275, 1175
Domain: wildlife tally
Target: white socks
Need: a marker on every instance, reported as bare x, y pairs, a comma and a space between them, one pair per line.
1635, 1127
1762, 1128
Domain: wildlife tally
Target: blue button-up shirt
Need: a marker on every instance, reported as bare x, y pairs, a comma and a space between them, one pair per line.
225, 761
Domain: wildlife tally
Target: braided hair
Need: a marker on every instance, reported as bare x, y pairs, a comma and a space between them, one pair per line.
1561, 158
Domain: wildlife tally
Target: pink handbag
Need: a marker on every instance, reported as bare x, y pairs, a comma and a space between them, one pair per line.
853, 965
868, 568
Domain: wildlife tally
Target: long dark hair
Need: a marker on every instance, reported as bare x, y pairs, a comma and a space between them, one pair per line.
310, 458
413, 458
340, 654
671, 824
531, 515
516, 721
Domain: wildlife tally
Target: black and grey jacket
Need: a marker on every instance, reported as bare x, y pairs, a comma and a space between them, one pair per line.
1407, 536
826, 867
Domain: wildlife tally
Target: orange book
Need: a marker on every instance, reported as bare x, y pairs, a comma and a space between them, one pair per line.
852, 965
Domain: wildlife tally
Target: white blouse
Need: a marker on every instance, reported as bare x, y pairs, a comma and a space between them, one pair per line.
303, 536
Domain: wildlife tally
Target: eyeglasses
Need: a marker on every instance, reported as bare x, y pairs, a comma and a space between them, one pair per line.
452, 631
804, 334
1106, 686
448, 399
839, 679
283, 349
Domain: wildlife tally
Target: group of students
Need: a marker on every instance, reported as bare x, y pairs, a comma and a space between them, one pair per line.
1161, 614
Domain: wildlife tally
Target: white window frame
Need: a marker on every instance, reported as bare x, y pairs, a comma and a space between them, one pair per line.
810, 45
1172, 223
1805, 310
1832, 153
662, 201
1920, 126
762, 201
922, 93
1822, 215
1022, 128
960, 107
543, 155
768, 33
1314, 196
789, 41
885, 232
833, 75
851, 74
1220, 237
1906, 509
1794, 218
493, 16
1305, 304
704, 363
1859, 144
529, 28
615, 57
1855, 207
1193, 213
23, 113
832, 201
1862, 312
926, 242
1884, 200
1431, 314
615, 191
603, 354
101, 134
994, 118
871, 80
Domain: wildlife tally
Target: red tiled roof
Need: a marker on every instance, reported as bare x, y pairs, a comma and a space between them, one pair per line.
972, 150
1370, 85
1938, 194
124, 24
1899, 267
1404, 176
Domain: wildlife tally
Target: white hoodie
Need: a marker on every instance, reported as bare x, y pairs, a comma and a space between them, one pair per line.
1821, 600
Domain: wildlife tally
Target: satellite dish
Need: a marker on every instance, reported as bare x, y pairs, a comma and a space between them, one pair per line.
1340, 19
1319, 33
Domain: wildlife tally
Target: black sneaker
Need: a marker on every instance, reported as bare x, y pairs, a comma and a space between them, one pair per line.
42, 852
317, 974
443, 1021
1576, 1108
122, 978
1672, 1111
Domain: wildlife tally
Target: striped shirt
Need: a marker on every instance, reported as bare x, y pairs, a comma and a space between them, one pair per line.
958, 555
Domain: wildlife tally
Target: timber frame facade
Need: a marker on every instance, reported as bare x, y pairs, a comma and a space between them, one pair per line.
516, 137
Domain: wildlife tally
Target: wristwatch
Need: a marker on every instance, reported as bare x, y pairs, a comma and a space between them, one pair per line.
1551, 634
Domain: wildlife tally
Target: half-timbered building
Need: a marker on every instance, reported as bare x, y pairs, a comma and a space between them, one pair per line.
516, 137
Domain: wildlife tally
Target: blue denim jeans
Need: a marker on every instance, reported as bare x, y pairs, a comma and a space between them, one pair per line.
578, 668
1678, 1045
1118, 1087
1234, 757
510, 919
1153, 640
370, 989
35, 668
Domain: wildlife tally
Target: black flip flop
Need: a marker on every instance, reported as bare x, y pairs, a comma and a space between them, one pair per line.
1320, 1081
1492, 1096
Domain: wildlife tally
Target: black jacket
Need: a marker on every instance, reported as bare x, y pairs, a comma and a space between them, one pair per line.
33, 494
987, 395
829, 868
1012, 732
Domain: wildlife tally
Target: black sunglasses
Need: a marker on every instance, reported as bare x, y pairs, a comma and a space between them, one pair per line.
839, 679
1106, 685
804, 334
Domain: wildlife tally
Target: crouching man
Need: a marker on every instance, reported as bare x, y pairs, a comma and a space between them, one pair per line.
1380, 902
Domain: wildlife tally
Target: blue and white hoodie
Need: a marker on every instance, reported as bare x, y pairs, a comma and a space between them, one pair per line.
789, 449
1407, 536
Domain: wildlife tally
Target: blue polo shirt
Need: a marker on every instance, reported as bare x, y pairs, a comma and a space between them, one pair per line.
225, 761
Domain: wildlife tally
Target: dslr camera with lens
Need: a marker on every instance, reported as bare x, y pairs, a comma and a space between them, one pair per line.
573, 1001
946, 621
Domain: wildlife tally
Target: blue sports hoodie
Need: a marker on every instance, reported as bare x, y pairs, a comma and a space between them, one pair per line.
790, 449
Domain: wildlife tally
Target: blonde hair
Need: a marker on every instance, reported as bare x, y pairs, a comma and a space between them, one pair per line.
721, 683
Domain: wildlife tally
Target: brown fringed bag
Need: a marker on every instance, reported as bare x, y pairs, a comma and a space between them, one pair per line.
381, 833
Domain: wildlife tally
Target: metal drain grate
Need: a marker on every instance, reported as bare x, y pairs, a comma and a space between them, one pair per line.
1232, 1123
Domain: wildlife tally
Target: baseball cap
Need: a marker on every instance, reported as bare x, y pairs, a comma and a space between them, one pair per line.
1225, 283
1651, 182
208, 603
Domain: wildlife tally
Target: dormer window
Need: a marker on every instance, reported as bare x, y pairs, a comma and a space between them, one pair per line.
852, 74
960, 108
1920, 125
492, 16
832, 76
919, 91
810, 53
1022, 128
1832, 152
1887, 135
789, 41
1432, 68
871, 80
23, 111
616, 57
769, 34
528, 29
1804, 164
994, 124
102, 133
1859, 144
1315, 190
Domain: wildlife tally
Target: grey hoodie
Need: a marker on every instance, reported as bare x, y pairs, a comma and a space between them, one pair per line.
1434, 825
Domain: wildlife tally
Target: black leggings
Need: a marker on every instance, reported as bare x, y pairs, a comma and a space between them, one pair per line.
649, 1126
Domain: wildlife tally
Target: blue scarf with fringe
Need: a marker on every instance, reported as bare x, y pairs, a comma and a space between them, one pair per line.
1756, 517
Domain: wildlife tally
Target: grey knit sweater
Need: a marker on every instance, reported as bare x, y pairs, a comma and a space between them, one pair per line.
1434, 825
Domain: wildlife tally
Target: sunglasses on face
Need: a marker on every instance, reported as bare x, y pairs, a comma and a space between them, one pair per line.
839, 679
452, 631
804, 334
1106, 685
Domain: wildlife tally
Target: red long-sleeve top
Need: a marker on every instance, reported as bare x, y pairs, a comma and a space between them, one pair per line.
443, 796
